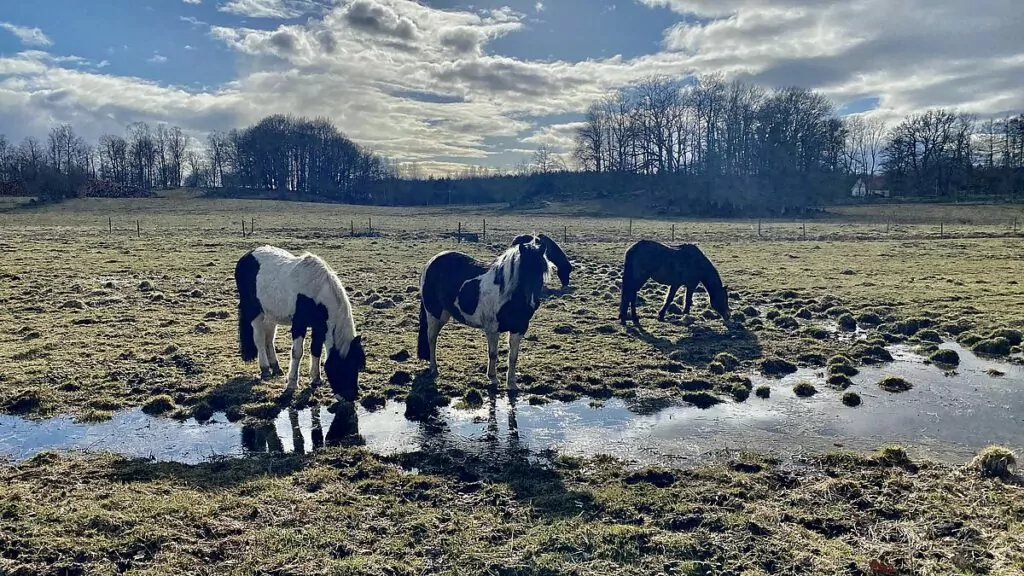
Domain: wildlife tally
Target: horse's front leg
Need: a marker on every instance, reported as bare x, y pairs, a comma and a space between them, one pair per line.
316, 348
259, 335
270, 329
689, 299
668, 301
492, 357
513, 356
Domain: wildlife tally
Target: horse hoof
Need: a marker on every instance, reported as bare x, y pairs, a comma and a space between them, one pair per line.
275, 369
265, 374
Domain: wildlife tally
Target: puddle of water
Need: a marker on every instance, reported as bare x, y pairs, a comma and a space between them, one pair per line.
945, 417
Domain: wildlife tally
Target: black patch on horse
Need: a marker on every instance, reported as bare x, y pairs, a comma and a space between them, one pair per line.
310, 314
249, 306
469, 296
514, 316
499, 280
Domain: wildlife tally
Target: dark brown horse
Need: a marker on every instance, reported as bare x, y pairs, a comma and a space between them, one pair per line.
684, 265
553, 252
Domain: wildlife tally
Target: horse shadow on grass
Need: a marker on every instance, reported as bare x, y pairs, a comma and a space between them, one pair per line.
493, 458
700, 347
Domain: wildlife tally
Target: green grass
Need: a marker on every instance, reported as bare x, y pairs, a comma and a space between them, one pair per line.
96, 322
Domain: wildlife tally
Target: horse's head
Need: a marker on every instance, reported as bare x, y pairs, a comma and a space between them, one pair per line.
533, 269
564, 270
343, 371
720, 302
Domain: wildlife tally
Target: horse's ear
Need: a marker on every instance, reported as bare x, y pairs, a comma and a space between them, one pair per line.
522, 248
543, 247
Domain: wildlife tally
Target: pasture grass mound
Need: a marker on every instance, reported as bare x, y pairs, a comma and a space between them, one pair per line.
851, 399
945, 357
804, 389
344, 510
995, 461
997, 346
894, 384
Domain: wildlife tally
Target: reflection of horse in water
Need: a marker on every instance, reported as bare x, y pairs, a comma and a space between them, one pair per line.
343, 431
437, 439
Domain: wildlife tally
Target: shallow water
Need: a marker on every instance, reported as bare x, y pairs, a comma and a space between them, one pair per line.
945, 417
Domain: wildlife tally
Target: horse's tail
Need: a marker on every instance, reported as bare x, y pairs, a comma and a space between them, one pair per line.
627, 283
249, 307
423, 344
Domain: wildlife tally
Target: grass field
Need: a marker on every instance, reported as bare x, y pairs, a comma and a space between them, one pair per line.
95, 319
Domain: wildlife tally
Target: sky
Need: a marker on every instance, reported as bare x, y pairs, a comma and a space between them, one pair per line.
448, 83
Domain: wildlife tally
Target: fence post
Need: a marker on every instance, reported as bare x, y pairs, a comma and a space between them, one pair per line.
630, 227
243, 227
673, 232
459, 237
252, 226
941, 232
758, 227
485, 229
565, 234
803, 231
110, 225
138, 229
369, 225
352, 227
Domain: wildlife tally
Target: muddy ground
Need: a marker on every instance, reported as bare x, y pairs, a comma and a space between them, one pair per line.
94, 321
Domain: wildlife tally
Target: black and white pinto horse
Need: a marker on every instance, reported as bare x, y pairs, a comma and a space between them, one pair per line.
553, 252
498, 297
277, 287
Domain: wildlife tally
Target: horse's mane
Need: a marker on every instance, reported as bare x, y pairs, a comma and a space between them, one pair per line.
509, 265
711, 273
320, 272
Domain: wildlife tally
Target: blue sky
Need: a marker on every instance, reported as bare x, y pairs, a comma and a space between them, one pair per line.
446, 82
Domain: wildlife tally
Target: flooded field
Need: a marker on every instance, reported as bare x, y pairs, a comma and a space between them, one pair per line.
947, 415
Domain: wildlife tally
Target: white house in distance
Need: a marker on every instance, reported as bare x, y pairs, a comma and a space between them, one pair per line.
869, 186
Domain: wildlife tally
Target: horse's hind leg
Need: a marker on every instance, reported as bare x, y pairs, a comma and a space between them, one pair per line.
259, 333
434, 326
270, 330
668, 301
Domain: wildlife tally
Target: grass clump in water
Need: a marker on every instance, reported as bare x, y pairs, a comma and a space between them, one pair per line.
777, 366
851, 399
847, 323
998, 346
995, 461
843, 369
701, 400
763, 392
929, 335
1015, 337
945, 357
158, 405
894, 384
804, 389
839, 381
93, 416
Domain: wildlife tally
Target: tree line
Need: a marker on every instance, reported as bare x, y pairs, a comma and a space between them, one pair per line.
704, 146
790, 145
283, 155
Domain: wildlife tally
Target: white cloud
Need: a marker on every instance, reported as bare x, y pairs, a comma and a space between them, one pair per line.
28, 36
418, 83
192, 1
538, 7
273, 9
157, 59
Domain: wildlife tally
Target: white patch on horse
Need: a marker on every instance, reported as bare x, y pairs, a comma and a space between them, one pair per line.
284, 276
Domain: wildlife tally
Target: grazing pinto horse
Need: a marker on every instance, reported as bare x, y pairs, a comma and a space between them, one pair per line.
277, 287
552, 252
684, 265
497, 297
